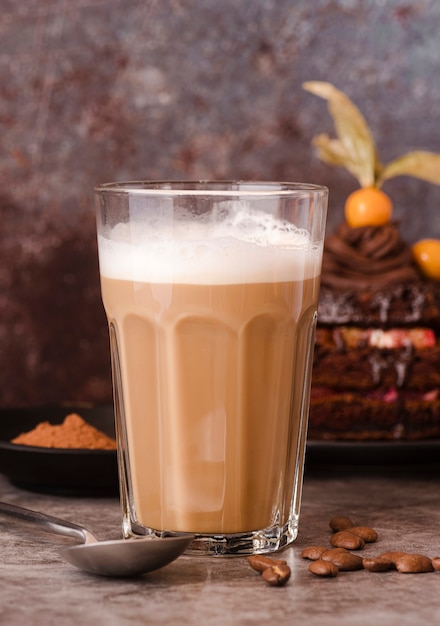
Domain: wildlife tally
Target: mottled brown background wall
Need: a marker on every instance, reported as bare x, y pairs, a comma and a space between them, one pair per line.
95, 90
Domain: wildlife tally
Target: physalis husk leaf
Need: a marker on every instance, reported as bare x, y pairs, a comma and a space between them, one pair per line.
357, 151
419, 163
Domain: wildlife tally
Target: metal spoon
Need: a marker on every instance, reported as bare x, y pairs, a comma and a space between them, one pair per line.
119, 557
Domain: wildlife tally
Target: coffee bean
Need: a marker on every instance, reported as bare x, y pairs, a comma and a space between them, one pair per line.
340, 522
277, 575
348, 540
323, 568
313, 552
392, 555
259, 562
378, 564
436, 563
414, 564
345, 561
369, 535
330, 552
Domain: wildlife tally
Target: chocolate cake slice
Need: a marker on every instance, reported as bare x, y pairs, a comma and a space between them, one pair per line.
377, 353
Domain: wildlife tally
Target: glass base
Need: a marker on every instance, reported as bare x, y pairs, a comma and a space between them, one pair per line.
264, 541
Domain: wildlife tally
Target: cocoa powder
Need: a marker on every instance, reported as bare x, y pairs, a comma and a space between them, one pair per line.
73, 432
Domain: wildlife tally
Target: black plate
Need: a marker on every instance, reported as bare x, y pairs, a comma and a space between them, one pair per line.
52, 470
373, 454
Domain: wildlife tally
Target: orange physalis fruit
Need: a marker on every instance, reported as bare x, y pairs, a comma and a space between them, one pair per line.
426, 254
368, 206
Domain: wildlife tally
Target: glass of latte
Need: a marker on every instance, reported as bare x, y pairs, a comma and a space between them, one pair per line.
211, 292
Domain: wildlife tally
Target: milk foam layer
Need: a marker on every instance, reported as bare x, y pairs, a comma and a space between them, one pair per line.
243, 248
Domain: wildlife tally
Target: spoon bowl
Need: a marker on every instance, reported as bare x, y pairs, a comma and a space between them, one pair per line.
117, 558
126, 557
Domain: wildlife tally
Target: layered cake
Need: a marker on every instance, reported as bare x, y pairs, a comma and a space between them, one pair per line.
377, 355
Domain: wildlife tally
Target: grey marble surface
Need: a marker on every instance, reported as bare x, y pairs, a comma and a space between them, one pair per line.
37, 587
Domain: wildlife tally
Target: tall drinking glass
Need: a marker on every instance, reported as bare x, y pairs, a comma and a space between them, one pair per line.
211, 291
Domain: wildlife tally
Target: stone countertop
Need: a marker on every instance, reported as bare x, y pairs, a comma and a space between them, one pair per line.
404, 507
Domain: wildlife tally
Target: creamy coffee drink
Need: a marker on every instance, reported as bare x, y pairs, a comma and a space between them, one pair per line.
212, 336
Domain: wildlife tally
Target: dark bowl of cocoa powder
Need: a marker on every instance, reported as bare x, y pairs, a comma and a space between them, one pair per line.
66, 449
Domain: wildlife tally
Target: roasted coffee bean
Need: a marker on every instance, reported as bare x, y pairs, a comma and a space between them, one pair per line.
345, 561
378, 564
259, 562
313, 553
413, 564
277, 575
392, 555
347, 539
323, 568
328, 554
340, 522
369, 535
436, 563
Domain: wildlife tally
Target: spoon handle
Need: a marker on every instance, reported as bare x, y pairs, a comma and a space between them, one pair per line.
47, 522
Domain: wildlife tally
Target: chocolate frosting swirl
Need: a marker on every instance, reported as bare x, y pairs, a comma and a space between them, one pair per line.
367, 257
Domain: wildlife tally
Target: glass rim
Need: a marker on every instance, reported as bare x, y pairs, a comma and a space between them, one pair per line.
236, 188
